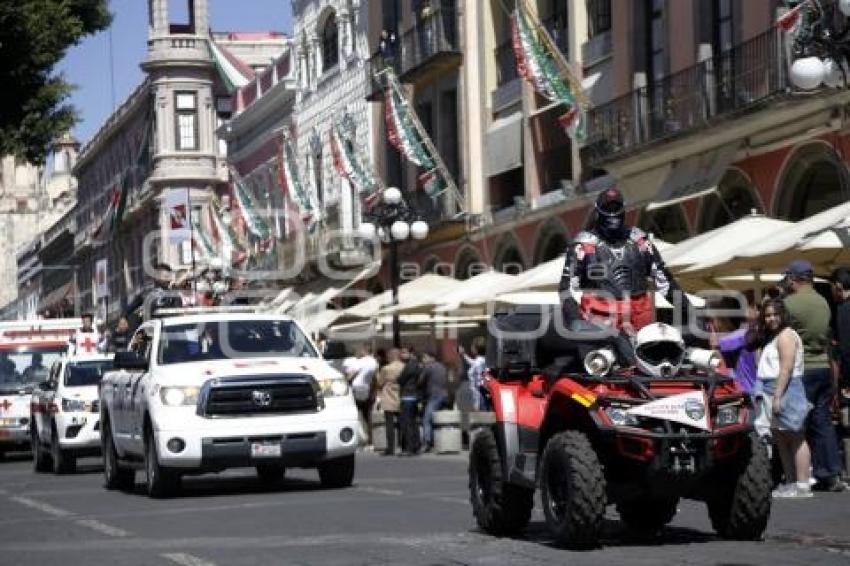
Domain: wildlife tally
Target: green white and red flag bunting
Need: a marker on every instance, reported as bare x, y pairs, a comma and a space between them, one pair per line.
788, 21
432, 183
401, 131
536, 65
221, 233
104, 230
294, 187
253, 222
350, 163
202, 242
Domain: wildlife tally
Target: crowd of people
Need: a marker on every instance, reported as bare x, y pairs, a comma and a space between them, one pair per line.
794, 358
407, 387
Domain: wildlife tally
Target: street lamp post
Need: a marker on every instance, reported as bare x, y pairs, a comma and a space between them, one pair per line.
393, 221
821, 46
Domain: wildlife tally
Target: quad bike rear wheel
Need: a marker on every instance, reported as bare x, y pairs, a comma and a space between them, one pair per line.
740, 508
573, 490
500, 508
646, 516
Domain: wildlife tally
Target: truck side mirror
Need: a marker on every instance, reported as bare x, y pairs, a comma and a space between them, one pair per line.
129, 361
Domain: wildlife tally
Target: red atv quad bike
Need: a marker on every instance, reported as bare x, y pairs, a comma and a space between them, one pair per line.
608, 436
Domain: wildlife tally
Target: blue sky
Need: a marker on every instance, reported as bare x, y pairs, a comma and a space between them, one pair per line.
87, 65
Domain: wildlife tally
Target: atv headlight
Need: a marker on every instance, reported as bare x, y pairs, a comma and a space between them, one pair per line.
334, 387
620, 417
73, 405
177, 396
727, 415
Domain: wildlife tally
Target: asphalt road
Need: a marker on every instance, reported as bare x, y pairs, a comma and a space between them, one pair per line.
400, 511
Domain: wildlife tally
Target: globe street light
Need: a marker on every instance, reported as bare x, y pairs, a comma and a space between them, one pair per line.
393, 221
821, 42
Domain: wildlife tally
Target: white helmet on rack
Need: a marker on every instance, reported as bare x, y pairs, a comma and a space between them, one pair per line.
659, 349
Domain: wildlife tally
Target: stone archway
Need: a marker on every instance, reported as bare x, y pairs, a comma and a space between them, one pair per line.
551, 242
508, 258
814, 179
734, 199
669, 223
468, 264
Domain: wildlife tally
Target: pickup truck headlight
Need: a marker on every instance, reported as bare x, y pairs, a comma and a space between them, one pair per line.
73, 405
334, 387
179, 396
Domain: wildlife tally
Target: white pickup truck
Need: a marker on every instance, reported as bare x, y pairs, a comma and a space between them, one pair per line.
65, 418
201, 393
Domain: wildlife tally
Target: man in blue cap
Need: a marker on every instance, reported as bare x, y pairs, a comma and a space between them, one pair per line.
810, 317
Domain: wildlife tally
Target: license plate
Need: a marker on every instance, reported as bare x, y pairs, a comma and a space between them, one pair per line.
265, 450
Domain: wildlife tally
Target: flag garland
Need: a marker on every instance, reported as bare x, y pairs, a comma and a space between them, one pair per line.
349, 163
255, 224
202, 242
789, 21
293, 186
537, 67
402, 133
102, 232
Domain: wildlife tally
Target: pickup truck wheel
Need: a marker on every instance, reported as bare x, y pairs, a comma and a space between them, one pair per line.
270, 474
337, 473
40, 459
63, 462
115, 476
159, 481
500, 508
572, 490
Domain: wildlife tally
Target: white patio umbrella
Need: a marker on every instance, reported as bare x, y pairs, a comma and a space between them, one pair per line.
774, 253
474, 291
721, 244
423, 287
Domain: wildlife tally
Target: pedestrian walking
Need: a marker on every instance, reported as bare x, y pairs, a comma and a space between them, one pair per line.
360, 372
809, 314
476, 364
388, 396
435, 379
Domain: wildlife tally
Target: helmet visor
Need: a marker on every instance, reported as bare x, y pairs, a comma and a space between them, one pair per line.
655, 353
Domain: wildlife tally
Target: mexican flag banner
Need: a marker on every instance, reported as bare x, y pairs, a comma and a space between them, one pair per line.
401, 131
536, 65
293, 186
349, 163
253, 222
432, 183
202, 242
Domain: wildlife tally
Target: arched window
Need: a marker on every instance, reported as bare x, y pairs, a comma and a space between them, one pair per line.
468, 265
814, 180
668, 224
734, 199
330, 43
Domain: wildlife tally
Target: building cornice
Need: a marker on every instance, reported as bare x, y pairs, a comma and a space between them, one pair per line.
112, 125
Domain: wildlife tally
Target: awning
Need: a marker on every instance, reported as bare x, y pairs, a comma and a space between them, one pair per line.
57, 295
643, 186
504, 144
694, 176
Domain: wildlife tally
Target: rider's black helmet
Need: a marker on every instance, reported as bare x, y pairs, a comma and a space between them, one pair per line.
610, 214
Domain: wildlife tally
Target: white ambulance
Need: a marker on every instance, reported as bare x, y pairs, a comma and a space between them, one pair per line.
28, 348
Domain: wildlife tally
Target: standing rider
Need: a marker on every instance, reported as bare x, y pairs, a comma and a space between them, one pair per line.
611, 264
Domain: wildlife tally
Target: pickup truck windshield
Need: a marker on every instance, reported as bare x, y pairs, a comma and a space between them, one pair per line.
232, 339
80, 374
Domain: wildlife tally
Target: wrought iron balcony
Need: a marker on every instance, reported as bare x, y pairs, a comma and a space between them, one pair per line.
431, 46
734, 82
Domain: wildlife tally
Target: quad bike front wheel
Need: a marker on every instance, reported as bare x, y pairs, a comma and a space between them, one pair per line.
500, 508
740, 507
573, 490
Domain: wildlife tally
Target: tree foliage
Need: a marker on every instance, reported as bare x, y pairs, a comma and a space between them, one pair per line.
34, 36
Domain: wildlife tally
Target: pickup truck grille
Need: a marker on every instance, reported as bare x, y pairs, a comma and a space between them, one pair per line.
275, 396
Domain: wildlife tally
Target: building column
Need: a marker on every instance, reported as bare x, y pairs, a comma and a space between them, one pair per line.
316, 52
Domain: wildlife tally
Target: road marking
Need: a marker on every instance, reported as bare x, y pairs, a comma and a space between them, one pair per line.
43, 507
187, 559
93, 524
102, 528
379, 491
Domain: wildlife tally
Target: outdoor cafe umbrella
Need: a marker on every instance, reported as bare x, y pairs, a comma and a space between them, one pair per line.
805, 239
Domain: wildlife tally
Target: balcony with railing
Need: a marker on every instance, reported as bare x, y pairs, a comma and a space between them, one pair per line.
737, 81
431, 47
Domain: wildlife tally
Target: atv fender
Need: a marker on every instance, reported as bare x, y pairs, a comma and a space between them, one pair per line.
519, 412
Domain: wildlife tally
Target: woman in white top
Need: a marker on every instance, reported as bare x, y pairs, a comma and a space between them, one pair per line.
476, 364
780, 386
